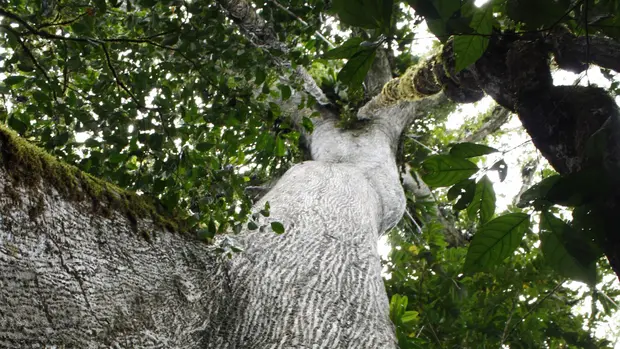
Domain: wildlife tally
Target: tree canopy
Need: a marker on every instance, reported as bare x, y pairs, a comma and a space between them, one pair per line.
193, 103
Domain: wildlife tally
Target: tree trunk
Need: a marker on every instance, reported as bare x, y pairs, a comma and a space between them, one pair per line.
319, 284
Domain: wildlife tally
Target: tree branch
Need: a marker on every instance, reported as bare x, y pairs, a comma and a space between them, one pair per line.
262, 35
498, 118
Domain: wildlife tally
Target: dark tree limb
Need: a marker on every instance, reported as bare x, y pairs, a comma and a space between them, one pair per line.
560, 119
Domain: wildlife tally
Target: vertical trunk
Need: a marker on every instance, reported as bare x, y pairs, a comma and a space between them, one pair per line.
319, 284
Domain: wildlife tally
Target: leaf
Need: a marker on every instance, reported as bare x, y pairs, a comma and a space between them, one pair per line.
14, 80
369, 14
555, 236
446, 170
536, 13
483, 201
280, 147
17, 124
170, 40
277, 227
204, 146
465, 189
346, 50
156, 141
354, 71
252, 225
469, 48
470, 150
495, 241
101, 7
536, 193
409, 316
307, 124
502, 169
580, 187
446, 8
40, 96
285, 91
260, 76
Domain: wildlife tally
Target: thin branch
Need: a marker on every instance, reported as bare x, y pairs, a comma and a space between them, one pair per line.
534, 307
119, 82
59, 24
316, 32
27, 51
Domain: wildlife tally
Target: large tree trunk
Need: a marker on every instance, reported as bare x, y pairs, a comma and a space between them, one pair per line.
319, 284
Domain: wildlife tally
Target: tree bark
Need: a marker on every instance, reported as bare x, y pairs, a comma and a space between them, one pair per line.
74, 278
319, 284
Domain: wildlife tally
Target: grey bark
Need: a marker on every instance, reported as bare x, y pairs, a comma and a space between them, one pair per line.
319, 284
73, 279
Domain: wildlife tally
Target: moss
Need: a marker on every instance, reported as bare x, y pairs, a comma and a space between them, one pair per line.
28, 165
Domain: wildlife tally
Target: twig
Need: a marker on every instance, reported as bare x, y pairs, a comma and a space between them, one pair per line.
27, 50
316, 32
118, 80
53, 24
534, 307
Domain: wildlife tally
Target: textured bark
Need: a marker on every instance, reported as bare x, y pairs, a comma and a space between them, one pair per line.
319, 284
70, 278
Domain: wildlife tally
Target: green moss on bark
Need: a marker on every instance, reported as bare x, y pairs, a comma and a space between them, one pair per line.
29, 165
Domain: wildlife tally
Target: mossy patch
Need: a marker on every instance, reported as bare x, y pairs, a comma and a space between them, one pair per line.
28, 165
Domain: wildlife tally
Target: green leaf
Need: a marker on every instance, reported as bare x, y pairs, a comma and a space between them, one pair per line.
204, 146
536, 194
536, 13
465, 190
446, 170
354, 71
18, 125
260, 76
13, 80
40, 96
252, 225
446, 8
346, 50
561, 253
502, 169
170, 40
101, 7
580, 187
307, 124
277, 227
495, 241
369, 14
285, 91
409, 316
156, 141
280, 147
469, 48
470, 150
483, 201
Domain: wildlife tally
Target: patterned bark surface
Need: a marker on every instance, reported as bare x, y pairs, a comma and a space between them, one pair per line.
73, 279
